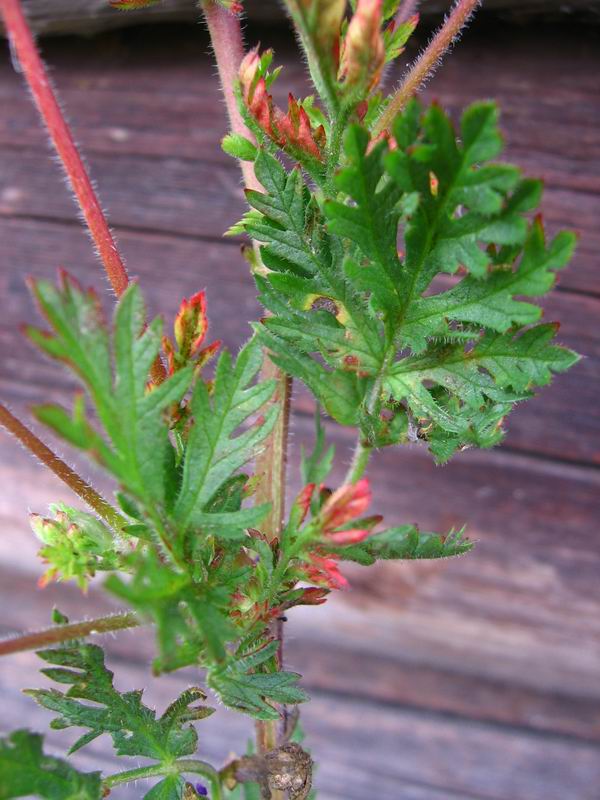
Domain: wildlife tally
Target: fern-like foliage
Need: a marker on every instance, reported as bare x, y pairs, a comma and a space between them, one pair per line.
360, 308
176, 450
134, 728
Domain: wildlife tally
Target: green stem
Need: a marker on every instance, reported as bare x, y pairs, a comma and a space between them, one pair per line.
336, 137
360, 460
319, 71
63, 471
271, 463
193, 766
65, 633
427, 62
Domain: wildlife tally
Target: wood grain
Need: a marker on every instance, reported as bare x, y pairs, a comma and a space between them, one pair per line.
92, 16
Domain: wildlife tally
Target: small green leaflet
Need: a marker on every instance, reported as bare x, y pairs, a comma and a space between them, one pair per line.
405, 543
214, 453
25, 770
242, 688
134, 728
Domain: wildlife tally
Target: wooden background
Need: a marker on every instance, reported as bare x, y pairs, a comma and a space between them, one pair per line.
87, 16
478, 678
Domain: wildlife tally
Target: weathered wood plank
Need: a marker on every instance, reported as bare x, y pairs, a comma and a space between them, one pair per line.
364, 747
91, 78
564, 422
554, 135
90, 16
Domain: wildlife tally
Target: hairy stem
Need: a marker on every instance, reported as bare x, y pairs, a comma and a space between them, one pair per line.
187, 765
74, 481
360, 460
48, 106
271, 463
227, 43
427, 62
39, 83
64, 633
228, 46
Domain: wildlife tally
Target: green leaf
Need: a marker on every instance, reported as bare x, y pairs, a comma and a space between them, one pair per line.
491, 303
134, 728
395, 39
25, 770
236, 145
170, 788
114, 368
381, 342
317, 310
213, 452
316, 467
255, 693
370, 216
405, 543
191, 615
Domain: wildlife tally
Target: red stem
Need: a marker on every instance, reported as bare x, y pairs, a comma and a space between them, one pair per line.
39, 82
59, 468
427, 62
226, 39
64, 633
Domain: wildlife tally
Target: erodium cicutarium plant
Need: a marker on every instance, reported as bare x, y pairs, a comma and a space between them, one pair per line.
398, 264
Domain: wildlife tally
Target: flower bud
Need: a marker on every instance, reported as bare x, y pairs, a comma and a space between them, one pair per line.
326, 17
346, 503
191, 323
248, 71
190, 328
363, 51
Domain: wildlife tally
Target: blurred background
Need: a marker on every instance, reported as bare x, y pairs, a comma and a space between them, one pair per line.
477, 678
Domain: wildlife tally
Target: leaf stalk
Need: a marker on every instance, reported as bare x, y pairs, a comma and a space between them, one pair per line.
427, 62
47, 104
65, 633
62, 470
187, 765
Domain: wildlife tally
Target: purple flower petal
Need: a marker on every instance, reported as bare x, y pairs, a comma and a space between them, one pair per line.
201, 790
